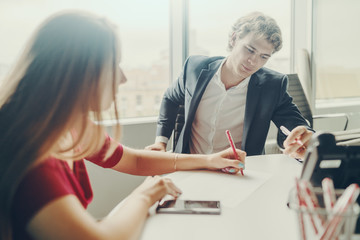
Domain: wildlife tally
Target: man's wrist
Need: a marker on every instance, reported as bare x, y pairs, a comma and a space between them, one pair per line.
161, 139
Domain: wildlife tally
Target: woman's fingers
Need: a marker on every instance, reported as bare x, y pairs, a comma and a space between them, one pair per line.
239, 159
165, 186
229, 154
173, 189
230, 170
231, 162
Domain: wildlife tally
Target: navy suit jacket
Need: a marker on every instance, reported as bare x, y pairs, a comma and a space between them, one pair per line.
267, 100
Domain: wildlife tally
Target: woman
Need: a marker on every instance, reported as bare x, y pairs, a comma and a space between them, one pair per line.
66, 76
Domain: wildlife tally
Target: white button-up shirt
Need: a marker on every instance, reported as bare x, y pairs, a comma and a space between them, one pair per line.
219, 110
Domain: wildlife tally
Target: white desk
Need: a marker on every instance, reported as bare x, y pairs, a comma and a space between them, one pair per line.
261, 214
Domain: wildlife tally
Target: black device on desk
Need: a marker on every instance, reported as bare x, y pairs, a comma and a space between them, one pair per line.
326, 159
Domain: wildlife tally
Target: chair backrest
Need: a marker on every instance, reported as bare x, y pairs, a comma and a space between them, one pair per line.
296, 91
303, 68
179, 124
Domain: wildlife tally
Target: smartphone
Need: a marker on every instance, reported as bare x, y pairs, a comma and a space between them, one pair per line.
189, 207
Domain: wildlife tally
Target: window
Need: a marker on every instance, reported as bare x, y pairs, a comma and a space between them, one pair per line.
139, 101
210, 23
145, 55
123, 106
157, 102
336, 49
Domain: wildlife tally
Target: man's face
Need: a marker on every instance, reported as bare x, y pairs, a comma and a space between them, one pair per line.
249, 54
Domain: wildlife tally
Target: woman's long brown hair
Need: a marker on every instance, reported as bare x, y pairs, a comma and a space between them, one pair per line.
55, 82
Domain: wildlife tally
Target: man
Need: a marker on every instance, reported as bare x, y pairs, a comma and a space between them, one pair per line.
235, 93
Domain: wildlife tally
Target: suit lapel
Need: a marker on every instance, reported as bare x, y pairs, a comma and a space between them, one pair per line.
252, 99
204, 78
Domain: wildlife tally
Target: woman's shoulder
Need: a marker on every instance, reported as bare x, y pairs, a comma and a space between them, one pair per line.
41, 184
46, 171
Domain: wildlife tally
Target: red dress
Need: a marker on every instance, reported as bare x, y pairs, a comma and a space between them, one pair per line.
53, 179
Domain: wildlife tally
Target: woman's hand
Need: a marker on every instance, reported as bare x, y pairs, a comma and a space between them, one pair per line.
296, 143
227, 160
155, 188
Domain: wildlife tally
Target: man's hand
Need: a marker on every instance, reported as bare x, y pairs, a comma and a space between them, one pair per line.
159, 146
296, 143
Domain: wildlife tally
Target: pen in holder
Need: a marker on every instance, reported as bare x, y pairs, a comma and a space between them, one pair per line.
320, 223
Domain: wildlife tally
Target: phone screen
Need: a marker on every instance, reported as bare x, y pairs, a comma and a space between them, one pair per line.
189, 207
201, 204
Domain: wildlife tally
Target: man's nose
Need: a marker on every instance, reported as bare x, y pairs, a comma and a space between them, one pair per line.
252, 59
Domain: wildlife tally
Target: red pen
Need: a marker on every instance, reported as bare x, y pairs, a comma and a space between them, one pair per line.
301, 204
233, 148
329, 193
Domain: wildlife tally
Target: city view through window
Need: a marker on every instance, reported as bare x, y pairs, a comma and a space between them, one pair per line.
336, 49
144, 32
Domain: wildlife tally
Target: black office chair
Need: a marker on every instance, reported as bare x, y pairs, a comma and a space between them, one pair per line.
296, 91
303, 81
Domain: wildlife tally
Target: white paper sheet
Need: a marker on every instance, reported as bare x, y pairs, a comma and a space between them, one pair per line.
231, 190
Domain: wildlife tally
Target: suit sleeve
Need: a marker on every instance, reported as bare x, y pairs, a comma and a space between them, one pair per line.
173, 98
287, 113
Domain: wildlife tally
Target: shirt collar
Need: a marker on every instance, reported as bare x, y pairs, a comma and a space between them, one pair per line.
218, 81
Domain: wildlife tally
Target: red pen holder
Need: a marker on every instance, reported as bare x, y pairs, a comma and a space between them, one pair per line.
315, 223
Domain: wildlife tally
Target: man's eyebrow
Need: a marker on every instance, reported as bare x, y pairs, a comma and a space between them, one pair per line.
268, 55
250, 46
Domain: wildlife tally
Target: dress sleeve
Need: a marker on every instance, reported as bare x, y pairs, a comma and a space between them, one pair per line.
40, 186
99, 158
